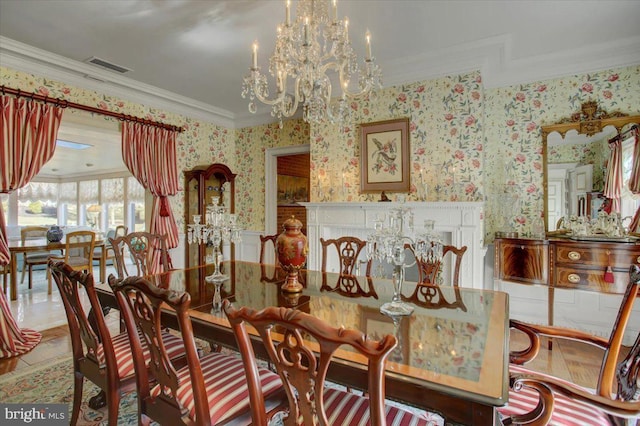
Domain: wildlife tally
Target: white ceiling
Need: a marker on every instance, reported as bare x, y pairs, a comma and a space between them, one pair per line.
189, 56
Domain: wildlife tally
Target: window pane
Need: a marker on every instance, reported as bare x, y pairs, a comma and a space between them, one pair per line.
137, 215
88, 192
135, 191
71, 213
38, 204
115, 214
68, 192
112, 190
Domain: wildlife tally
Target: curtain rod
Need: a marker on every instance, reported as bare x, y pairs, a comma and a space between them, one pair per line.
66, 104
619, 136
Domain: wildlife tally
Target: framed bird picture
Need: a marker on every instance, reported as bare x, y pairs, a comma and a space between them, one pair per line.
384, 156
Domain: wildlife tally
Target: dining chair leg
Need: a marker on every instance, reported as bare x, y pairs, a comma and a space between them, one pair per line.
113, 401
30, 277
48, 280
24, 266
78, 383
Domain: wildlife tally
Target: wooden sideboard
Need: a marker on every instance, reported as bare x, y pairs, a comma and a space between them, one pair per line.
565, 263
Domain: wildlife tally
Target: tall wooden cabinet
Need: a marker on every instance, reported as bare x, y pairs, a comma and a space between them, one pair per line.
200, 185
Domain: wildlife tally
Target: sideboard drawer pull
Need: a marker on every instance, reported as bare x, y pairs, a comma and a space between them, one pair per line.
574, 255
574, 278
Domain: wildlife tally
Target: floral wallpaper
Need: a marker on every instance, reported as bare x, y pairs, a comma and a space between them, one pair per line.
251, 144
467, 142
513, 117
445, 142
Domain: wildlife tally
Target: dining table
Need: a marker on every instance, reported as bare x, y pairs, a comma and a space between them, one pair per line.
41, 244
451, 358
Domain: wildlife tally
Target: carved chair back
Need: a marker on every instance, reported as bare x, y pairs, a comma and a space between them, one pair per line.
147, 251
349, 250
301, 347
430, 291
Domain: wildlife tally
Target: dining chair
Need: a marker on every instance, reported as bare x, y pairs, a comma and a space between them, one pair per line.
78, 253
348, 250
301, 348
430, 289
31, 259
278, 275
146, 250
546, 399
119, 231
103, 359
210, 390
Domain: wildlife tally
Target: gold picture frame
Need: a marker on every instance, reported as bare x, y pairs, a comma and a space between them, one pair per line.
384, 156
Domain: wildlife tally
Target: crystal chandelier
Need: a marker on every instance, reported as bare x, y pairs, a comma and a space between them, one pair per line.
220, 227
308, 51
389, 242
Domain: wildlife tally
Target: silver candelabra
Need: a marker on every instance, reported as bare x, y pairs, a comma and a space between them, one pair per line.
220, 226
389, 242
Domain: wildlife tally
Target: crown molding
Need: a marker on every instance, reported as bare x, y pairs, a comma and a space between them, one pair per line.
22, 57
493, 57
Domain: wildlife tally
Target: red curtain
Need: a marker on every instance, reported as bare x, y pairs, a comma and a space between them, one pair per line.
150, 155
28, 140
613, 182
634, 179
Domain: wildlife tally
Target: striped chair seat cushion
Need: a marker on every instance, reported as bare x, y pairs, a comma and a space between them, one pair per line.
226, 386
566, 411
124, 356
346, 408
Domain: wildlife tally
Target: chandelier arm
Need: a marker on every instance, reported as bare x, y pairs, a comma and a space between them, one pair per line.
267, 101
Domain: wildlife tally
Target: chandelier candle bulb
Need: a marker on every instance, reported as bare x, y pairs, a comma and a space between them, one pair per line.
254, 56
288, 14
335, 10
368, 37
346, 29
306, 31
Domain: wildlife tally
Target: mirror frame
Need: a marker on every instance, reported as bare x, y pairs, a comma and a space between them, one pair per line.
588, 121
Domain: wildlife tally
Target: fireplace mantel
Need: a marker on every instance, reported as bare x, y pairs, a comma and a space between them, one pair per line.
460, 224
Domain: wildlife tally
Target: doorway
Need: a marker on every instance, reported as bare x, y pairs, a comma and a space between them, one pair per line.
271, 182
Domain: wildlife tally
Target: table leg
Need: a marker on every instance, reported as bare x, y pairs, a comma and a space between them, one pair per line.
13, 283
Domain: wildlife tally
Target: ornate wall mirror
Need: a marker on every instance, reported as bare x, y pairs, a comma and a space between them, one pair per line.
575, 152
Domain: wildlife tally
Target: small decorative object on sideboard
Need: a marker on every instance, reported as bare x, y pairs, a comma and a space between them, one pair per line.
55, 234
292, 247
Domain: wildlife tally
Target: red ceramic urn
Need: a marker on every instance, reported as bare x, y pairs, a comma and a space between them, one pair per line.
292, 249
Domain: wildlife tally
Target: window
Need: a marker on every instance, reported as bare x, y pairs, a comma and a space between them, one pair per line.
38, 204
100, 203
112, 198
68, 204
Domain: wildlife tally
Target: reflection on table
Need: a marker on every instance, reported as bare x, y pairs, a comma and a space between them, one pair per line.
450, 354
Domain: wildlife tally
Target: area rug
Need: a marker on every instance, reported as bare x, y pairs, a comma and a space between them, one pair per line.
52, 382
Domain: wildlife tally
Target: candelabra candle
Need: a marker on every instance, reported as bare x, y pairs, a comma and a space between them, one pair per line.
220, 227
388, 243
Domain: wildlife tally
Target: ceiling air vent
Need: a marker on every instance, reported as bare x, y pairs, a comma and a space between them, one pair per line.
108, 65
